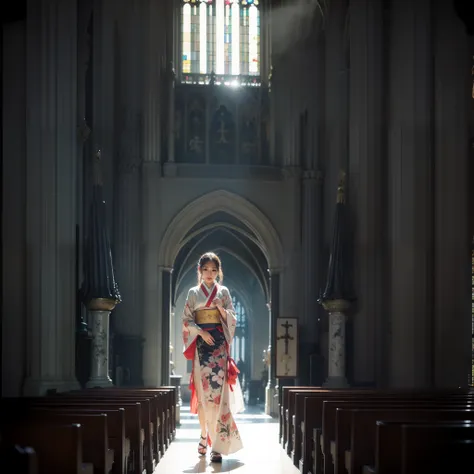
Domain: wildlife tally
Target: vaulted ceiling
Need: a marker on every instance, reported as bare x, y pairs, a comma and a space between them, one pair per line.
244, 265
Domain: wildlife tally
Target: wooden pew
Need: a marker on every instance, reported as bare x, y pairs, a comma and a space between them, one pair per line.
337, 419
172, 392
298, 428
95, 446
437, 448
22, 460
117, 440
312, 419
148, 416
58, 447
103, 436
132, 409
283, 401
363, 426
162, 399
388, 443
167, 397
311, 425
158, 433
289, 412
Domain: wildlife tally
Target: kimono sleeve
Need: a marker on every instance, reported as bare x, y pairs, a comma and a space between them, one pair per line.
231, 320
190, 329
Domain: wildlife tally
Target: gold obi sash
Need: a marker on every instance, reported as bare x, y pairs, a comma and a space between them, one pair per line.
208, 316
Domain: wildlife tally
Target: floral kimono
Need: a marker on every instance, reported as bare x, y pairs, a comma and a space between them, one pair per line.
214, 383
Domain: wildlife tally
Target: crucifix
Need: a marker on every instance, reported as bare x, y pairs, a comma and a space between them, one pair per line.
285, 358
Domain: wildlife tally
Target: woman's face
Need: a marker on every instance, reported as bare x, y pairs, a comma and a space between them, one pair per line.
209, 272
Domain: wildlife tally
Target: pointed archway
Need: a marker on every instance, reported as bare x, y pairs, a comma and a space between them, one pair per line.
258, 224
225, 221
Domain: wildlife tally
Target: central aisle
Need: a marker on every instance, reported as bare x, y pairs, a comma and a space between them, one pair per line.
261, 454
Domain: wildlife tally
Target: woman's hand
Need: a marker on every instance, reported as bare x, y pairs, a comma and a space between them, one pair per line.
218, 303
208, 339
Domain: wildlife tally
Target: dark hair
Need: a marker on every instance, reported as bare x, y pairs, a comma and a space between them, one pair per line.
206, 258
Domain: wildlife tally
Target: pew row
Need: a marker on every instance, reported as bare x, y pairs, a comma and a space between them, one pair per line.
137, 424
311, 423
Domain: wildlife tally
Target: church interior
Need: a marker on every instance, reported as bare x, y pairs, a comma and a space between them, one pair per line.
322, 148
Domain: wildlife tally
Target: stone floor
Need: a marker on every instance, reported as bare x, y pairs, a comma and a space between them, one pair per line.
261, 453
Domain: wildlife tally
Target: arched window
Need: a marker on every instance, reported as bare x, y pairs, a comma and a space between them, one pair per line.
220, 41
239, 346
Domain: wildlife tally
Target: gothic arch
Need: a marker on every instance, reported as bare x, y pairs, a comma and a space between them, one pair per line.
232, 204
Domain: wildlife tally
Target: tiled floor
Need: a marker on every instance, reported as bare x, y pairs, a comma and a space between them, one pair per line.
261, 453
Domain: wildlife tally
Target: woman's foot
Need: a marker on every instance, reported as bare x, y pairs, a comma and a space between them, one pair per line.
202, 446
216, 457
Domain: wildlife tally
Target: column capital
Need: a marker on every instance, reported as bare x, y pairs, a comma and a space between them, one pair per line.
336, 306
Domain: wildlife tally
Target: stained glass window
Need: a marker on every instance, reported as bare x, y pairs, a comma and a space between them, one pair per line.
239, 346
220, 41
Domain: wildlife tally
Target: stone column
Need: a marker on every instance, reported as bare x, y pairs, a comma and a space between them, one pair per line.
271, 395
410, 197
337, 343
336, 117
165, 325
366, 186
127, 222
311, 251
171, 66
99, 324
128, 161
336, 101
51, 211
151, 277
152, 103
171, 83
452, 287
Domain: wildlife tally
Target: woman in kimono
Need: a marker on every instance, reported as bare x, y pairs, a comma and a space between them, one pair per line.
208, 329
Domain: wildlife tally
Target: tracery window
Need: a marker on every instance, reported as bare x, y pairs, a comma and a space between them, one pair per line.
239, 345
220, 42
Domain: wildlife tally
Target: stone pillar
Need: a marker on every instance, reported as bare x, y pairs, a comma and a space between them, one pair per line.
99, 324
14, 258
337, 343
152, 102
165, 325
336, 118
171, 112
452, 287
51, 215
410, 197
172, 42
311, 252
127, 218
366, 187
336, 101
271, 394
151, 277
